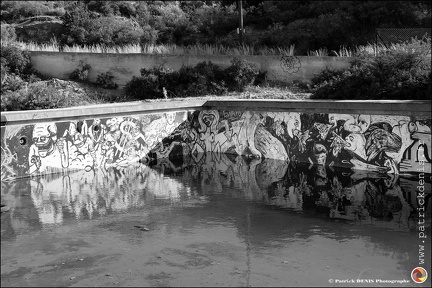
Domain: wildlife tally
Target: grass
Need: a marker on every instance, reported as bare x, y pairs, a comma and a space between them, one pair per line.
344, 52
320, 52
422, 46
171, 49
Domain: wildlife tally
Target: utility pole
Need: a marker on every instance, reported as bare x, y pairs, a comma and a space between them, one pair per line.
240, 29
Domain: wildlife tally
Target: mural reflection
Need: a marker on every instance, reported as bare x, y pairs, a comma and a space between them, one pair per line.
365, 196
362, 196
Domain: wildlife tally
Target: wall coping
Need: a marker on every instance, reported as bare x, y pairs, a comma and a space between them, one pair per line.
377, 107
98, 110
374, 107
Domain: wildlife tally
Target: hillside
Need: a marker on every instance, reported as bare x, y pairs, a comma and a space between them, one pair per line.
305, 25
39, 29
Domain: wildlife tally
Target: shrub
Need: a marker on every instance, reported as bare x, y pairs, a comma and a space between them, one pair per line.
16, 69
240, 74
84, 27
38, 96
11, 82
205, 78
16, 60
105, 81
7, 33
395, 74
149, 85
81, 73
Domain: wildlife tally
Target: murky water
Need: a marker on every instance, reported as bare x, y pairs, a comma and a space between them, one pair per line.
215, 220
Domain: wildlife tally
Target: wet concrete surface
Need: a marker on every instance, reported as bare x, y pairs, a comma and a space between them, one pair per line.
200, 230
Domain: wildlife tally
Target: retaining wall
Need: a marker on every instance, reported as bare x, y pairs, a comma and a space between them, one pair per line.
379, 137
124, 66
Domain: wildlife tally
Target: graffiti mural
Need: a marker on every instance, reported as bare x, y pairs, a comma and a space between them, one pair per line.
52, 147
383, 144
376, 143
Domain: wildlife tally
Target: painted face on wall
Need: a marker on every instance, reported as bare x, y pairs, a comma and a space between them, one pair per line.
355, 142
114, 123
96, 130
44, 137
333, 118
208, 119
412, 127
170, 117
364, 122
293, 124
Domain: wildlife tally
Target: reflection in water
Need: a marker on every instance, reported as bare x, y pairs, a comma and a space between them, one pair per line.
360, 196
228, 190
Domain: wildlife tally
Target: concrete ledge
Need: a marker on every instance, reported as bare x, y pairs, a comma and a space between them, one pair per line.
382, 107
95, 111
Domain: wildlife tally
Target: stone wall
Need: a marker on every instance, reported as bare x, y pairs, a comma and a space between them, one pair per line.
124, 66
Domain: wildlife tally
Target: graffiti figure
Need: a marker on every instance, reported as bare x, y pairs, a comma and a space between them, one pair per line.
244, 133
97, 131
209, 126
54, 152
81, 151
290, 119
109, 144
352, 123
7, 158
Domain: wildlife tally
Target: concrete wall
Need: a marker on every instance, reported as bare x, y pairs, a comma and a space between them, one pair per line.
380, 137
124, 66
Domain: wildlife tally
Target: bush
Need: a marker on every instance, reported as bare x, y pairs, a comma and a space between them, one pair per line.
395, 74
16, 69
240, 74
85, 27
7, 33
205, 78
149, 85
81, 74
37, 96
16, 60
104, 80
11, 82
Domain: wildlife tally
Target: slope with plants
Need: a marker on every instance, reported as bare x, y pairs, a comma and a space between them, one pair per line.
306, 25
402, 71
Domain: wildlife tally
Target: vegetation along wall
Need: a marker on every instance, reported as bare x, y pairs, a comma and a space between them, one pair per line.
124, 66
380, 137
